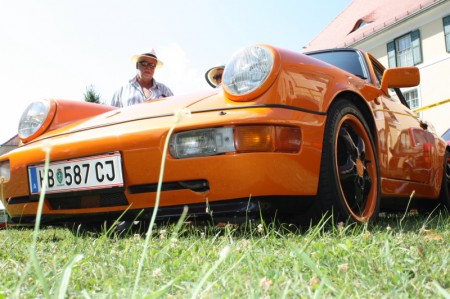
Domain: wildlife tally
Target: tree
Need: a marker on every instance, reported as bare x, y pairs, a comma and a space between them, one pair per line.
91, 95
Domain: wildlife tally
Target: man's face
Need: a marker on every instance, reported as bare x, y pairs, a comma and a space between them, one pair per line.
218, 76
146, 68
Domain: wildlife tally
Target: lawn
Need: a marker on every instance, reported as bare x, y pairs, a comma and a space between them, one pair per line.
400, 256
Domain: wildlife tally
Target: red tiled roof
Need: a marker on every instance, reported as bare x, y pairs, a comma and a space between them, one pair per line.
12, 141
377, 15
9, 145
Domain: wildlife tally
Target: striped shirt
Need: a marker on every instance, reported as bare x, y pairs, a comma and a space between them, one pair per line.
132, 93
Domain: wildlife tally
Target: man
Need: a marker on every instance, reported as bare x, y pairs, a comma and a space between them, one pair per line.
214, 75
143, 87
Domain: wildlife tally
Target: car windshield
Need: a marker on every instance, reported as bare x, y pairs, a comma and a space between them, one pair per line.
346, 60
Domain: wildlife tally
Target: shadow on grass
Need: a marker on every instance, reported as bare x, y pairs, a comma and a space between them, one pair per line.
247, 228
409, 222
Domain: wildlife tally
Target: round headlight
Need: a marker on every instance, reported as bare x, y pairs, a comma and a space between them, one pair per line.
247, 70
35, 119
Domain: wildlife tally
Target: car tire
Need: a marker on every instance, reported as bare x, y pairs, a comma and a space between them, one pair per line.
349, 184
445, 186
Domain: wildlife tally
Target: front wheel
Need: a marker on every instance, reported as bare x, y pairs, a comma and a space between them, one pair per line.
349, 184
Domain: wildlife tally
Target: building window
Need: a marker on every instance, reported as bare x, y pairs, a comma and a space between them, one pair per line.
405, 50
360, 23
447, 32
412, 98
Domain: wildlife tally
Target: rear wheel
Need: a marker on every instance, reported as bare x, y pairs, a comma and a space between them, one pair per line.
445, 187
349, 184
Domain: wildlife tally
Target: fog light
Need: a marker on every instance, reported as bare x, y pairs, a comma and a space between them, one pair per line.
203, 142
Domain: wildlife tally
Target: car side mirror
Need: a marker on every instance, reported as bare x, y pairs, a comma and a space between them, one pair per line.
400, 77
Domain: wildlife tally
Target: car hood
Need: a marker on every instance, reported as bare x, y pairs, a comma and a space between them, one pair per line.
200, 101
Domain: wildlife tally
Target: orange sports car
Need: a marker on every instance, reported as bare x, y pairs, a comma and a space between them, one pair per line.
290, 134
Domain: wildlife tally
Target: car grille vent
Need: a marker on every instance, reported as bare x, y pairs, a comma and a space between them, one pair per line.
19, 200
89, 201
194, 185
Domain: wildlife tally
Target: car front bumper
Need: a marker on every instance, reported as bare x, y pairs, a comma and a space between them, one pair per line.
196, 182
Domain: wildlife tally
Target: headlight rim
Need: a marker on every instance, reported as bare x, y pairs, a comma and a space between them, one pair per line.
264, 85
51, 106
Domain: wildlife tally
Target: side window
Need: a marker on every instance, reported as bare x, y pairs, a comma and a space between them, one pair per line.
405, 50
350, 61
446, 21
378, 73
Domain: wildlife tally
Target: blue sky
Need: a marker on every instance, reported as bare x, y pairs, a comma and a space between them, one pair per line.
57, 48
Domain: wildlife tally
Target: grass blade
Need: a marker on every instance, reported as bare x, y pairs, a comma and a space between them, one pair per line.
66, 276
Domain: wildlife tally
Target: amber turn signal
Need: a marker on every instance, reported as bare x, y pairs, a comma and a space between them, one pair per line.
267, 138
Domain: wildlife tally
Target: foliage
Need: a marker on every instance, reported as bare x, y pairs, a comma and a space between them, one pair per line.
91, 95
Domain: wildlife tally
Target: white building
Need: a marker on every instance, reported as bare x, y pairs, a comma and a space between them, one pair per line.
401, 33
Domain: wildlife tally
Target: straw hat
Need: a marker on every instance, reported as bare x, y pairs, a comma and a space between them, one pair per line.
147, 54
209, 75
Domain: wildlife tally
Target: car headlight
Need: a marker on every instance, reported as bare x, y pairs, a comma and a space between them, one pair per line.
239, 139
247, 71
35, 119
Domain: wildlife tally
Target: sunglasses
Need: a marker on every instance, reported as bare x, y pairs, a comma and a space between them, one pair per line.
146, 64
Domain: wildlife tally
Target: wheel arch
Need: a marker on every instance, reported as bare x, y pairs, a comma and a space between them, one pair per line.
363, 106
444, 194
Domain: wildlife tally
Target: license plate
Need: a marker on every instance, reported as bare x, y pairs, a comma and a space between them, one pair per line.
95, 172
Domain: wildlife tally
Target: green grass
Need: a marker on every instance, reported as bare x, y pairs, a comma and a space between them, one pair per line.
398, 257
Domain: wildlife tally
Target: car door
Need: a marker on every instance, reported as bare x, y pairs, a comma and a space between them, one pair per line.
411, 147
406, 148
